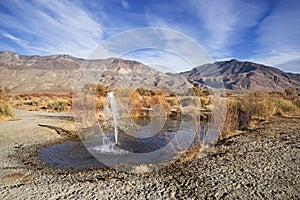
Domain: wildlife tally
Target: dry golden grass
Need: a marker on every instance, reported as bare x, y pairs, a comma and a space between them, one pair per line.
6, 112
47, 102
248, 109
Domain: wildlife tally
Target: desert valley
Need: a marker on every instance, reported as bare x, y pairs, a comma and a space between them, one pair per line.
255, 153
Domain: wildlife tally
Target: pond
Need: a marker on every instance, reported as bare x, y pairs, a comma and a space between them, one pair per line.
146, 145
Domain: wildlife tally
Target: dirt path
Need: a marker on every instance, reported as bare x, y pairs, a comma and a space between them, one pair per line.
259, 164
25, 127
22, 132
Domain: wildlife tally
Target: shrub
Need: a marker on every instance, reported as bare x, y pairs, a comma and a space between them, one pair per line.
197, 92
206, 92
256, 105
229, 93
3, 93
231, 122
100, 90
290, 92
297, 102
276, 94
5, 110
59, 105
205, 101
284, 106
148, 92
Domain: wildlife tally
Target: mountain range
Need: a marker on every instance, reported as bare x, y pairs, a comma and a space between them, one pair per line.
58, 73
243, 76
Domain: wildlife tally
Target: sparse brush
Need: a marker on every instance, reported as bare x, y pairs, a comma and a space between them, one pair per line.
296, 102
285, 107
189, 101
231, 122
205, 101
54, 102
257, 105
5, 110
58, 105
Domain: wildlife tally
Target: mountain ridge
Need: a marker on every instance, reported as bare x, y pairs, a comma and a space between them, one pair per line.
241, 76
57, 73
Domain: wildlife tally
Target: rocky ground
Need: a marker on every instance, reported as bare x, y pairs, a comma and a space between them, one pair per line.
263, 163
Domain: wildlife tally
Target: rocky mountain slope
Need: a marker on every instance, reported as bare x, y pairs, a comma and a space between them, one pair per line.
243, 76
58, 73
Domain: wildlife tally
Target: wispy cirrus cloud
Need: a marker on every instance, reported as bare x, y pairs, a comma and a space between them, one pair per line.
17, 40
226, 22
158, 46
51, 27
278, 41
217, 25
259, 30
125, 4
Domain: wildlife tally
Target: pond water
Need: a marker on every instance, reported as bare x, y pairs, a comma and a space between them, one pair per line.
146, 145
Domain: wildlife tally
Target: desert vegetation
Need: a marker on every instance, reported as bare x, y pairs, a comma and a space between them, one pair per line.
243, 110
248, 109
5, 109
46, 102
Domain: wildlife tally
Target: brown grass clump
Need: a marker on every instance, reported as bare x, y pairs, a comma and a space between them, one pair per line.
231, 122
257, 106
248, 109
140, 105
286, 107
6, 112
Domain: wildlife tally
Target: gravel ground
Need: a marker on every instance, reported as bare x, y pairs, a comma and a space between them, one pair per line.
262, 163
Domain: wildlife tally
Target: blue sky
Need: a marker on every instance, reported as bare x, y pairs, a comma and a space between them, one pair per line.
262, 31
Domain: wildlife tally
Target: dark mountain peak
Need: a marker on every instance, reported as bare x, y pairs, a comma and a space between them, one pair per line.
243, 75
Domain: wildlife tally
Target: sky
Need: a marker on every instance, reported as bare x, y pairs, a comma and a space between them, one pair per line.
263, 31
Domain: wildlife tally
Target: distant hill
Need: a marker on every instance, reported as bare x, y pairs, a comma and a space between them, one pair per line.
243, 76
56, 73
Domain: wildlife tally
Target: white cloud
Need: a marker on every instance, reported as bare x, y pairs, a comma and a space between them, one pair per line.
125, 4
278, 37
226, 21
160, 60
52, 27
17, 40
286, 61
218, 25
177, 46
